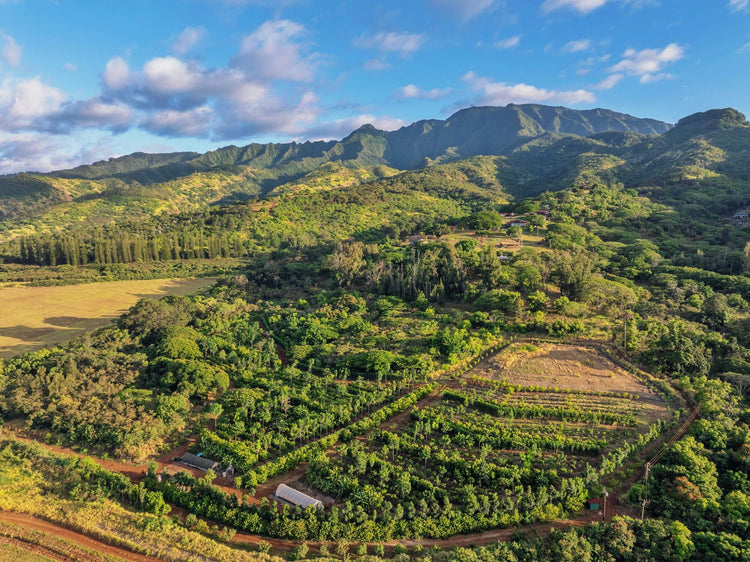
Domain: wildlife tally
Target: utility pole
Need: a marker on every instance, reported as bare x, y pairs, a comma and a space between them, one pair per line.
645, 493
604, 516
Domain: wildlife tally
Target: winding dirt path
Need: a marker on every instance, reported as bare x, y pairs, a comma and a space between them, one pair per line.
64, 533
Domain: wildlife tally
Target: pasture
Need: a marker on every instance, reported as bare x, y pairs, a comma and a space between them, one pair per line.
35, 317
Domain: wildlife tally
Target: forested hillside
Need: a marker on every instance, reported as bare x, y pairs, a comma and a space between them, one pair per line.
489, 341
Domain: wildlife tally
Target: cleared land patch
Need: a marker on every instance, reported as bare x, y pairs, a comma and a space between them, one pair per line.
34, 317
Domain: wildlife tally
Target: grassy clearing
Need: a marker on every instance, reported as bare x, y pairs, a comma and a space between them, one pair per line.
34, 317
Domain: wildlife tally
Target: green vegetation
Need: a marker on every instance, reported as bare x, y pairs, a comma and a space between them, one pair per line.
364, 346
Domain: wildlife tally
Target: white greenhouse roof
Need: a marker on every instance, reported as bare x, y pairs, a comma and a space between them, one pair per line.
296, 497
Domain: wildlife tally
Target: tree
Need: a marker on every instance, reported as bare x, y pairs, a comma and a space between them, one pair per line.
572, 272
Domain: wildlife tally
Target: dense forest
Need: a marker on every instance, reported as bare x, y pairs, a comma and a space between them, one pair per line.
353, 345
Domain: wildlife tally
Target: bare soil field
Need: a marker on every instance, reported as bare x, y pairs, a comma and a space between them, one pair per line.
35, 317
571, 367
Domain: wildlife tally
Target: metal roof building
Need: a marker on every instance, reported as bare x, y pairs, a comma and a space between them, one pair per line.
296, 497
199, 462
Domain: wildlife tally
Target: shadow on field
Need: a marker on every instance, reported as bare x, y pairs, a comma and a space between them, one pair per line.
63, 321
24, 332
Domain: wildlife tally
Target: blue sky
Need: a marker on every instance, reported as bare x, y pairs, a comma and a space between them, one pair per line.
82, 81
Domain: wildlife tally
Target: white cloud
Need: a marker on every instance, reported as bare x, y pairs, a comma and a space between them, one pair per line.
116, 74
404, 44
508, 43
413, 92
169, 75
69, 66
464, 9
582, 6
271, 53
40, 152
609, 82
376, 64
648, 78
341, 128
586, 6
737, 5
648, 61
187, 39
192, 123
745, 48
26, 100
501, 93
10, 51
577, 46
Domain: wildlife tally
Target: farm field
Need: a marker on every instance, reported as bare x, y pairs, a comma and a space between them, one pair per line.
492, 449
34, 317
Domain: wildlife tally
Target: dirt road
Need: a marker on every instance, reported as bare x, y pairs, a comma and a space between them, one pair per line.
85, 541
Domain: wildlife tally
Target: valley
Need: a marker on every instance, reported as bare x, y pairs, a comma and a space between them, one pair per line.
445, 346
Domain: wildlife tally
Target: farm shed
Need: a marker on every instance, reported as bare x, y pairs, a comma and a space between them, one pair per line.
295, 497
595, 504
199, 462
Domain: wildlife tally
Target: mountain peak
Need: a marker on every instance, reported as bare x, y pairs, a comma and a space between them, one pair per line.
714, 119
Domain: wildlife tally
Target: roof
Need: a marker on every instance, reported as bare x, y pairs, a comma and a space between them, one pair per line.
199, 462
296, 497
594, 500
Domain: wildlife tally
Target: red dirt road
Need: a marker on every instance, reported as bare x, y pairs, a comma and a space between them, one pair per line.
85, 541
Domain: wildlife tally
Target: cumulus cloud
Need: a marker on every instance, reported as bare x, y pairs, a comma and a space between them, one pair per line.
411, 91
116, 74
737, 5
10, 51
187, 39
172, 123
465, 10
648, 63
22, 102
39, 152
577, 46
401, 43
271, 52
508, 43
501, 93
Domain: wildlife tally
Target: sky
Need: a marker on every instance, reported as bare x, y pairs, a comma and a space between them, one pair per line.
82, 81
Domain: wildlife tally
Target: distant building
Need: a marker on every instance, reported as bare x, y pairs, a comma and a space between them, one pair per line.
741, 216
519, 222
199, 462
295, 497
420, 239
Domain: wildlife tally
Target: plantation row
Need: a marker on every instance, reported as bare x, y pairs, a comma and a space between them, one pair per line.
503, 437
561, 413
509, 388
245, 459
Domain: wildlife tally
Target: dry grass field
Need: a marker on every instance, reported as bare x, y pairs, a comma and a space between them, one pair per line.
34, 317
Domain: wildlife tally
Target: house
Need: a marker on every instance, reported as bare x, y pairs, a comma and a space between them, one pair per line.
297, 498
595, 504
507, 215
741, 216
519, 222
199, 462
543, 213
420, 239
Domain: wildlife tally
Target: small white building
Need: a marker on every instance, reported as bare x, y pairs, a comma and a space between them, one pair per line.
741, 216
295, 497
